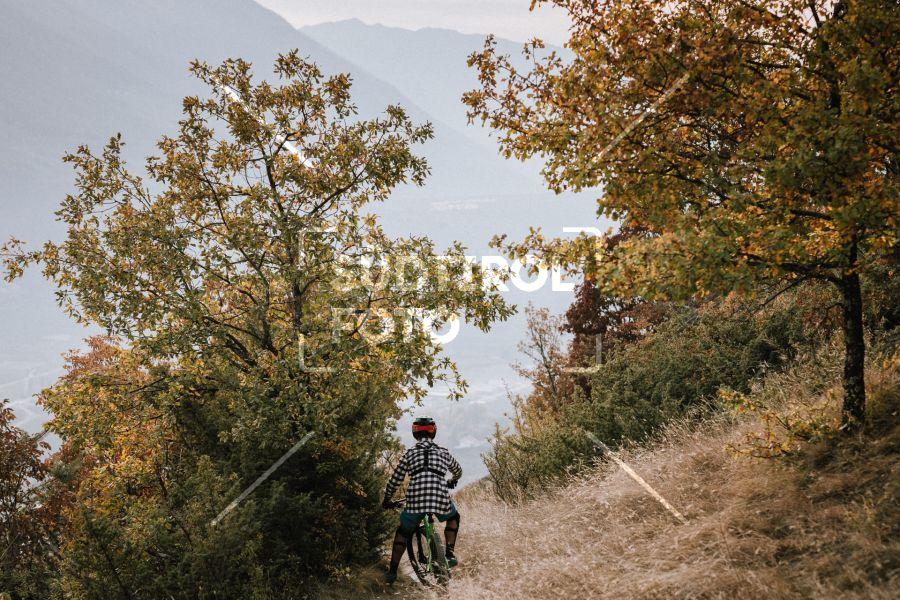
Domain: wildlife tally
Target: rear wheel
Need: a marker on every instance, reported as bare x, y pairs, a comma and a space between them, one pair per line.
415, 548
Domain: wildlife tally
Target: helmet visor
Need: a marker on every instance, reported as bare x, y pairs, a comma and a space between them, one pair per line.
429, 429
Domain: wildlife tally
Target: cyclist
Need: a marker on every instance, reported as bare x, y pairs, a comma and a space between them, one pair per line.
427, 464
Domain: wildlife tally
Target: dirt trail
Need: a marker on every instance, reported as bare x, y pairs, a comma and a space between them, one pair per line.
754, 528
824, 523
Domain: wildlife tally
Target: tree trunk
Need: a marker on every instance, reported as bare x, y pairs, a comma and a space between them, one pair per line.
854, 409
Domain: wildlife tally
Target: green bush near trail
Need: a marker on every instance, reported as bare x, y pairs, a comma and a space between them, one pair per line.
674, 371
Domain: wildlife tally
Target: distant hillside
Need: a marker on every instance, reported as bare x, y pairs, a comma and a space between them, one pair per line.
77, 71
427, 64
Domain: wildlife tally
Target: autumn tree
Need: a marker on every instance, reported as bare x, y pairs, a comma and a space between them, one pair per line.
22, 528
600, 322
756, 141
546, 361
249, 300
31, 506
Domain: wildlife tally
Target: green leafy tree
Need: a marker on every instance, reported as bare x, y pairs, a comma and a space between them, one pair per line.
250, 301
755, 141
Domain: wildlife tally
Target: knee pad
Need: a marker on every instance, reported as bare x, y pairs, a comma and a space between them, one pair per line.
406, 532
453, 522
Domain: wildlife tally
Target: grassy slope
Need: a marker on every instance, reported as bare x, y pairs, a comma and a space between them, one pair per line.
823, 523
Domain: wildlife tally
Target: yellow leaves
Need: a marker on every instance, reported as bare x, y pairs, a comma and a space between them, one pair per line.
766, 142
354, 487
340, 447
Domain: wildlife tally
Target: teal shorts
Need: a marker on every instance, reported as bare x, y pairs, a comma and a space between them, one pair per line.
409, 521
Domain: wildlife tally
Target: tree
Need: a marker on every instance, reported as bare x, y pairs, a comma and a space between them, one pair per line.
756, 141
30, 508
249, 301
601, 323
22, 526
546, 356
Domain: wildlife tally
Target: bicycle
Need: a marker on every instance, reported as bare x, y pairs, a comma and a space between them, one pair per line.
425, 549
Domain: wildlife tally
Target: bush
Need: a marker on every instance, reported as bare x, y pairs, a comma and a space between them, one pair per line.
676, 370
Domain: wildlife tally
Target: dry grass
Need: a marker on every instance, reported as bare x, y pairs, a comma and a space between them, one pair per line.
823, 523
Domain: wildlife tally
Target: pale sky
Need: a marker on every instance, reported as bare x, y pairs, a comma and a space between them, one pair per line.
505, 18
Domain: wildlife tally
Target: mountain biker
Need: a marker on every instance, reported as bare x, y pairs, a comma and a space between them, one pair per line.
427, 464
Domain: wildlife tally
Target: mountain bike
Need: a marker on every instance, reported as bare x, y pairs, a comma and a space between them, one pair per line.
425, 549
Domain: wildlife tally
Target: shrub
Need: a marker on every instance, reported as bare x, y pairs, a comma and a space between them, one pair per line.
675, 371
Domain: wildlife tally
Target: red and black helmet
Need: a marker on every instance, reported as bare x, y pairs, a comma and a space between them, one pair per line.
424, 427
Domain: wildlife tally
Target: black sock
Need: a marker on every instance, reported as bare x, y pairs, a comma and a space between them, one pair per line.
399, 547
450, 532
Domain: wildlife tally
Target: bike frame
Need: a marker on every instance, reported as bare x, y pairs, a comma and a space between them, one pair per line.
429, 539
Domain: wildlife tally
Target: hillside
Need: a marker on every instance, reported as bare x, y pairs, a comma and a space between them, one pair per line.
77, 72
823, 522
428, 64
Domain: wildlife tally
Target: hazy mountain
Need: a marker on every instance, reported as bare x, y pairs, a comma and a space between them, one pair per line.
428, 65
77, 71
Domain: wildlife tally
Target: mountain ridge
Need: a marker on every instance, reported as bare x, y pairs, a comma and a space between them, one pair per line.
434, 56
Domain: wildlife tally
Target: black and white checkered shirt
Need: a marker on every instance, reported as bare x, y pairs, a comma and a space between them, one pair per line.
427, 491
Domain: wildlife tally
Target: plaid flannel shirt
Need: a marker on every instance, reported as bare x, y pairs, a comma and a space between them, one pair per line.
427, 491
